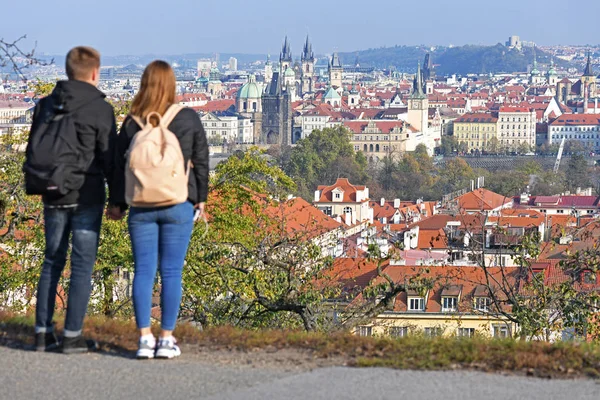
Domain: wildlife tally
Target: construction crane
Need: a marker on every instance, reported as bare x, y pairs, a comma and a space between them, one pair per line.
559, 155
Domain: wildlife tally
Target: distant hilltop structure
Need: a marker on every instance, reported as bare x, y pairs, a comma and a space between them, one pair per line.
515, 42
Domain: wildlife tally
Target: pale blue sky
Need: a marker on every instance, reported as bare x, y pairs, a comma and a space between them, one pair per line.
118, 27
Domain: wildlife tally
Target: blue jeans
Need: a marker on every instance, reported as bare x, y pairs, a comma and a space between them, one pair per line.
83, 224
159, 239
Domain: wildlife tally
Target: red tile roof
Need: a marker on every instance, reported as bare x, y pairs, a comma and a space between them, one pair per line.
301, 218
576, 119
482, 200
216, 105
523, 109
349, 191
478, 117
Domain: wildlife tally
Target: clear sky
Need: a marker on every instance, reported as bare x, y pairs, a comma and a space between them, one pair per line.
119, 27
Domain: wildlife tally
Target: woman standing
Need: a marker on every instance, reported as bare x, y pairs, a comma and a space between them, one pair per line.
160, 234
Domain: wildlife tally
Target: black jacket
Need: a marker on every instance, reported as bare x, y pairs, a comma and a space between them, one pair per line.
97, 134
189, 130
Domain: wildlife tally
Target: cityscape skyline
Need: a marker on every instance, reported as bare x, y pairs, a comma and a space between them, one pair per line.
333, 26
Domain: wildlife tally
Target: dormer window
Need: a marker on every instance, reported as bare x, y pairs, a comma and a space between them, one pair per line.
416, 304
450, 298
337, 195
482, 304
449, 304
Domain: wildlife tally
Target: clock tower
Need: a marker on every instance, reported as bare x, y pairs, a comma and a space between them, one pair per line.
418, 105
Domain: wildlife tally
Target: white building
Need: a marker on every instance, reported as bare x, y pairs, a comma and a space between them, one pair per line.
15, 112
516, 126
584, 128
320, 117
227, 127
348, 202
233, 64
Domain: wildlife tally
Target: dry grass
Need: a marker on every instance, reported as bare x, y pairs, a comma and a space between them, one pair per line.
559, 360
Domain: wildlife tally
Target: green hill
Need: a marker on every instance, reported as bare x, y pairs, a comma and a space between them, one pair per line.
469, 59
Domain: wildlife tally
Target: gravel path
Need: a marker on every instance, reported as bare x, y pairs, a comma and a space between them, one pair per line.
46, 376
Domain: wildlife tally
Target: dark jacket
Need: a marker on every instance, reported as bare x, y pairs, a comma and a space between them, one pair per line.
187, 127
97, 133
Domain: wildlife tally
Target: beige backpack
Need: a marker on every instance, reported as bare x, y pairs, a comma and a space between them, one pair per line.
156, 174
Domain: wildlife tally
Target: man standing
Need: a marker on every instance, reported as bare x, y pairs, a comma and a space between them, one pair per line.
69, 157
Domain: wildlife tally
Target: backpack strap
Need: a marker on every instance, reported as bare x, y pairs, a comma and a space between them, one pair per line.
170, 114
137, 120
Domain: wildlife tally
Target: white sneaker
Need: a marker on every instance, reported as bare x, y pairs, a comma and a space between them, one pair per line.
167, 348
146, 349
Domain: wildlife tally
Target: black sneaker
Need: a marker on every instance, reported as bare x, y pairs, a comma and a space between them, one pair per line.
78, 344
46, 341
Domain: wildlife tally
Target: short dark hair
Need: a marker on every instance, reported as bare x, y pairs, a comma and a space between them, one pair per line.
81, 61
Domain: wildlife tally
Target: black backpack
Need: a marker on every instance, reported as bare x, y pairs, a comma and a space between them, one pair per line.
54, 163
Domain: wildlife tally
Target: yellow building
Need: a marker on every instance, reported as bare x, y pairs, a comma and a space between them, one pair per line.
475, 131
442, 301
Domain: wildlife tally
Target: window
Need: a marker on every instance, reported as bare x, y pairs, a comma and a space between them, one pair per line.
398, 331
365, 331
327, 210
501, 330
433, 332
482, 303
449, 304
348, 210
416, 304
466, 332
338, 196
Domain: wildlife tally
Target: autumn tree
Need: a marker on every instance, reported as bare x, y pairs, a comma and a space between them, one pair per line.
322, 157
456, 175
448, 146
260, 261
14, 57
578, 172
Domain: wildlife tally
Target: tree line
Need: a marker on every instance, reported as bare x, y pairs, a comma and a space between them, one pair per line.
328, 154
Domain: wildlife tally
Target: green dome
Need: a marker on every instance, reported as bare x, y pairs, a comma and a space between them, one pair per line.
331, 94
250, 90
289, 73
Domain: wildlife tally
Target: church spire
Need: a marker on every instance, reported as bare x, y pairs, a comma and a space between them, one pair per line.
286, 51
418, 85
307, 52
588, 67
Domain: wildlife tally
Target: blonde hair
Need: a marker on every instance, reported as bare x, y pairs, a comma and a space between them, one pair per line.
157, 90
81, 62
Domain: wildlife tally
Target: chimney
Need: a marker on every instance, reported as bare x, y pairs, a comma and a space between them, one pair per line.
382, 202
348, 219
384, 220
585, 99
472, 185
396, 203
317, 195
